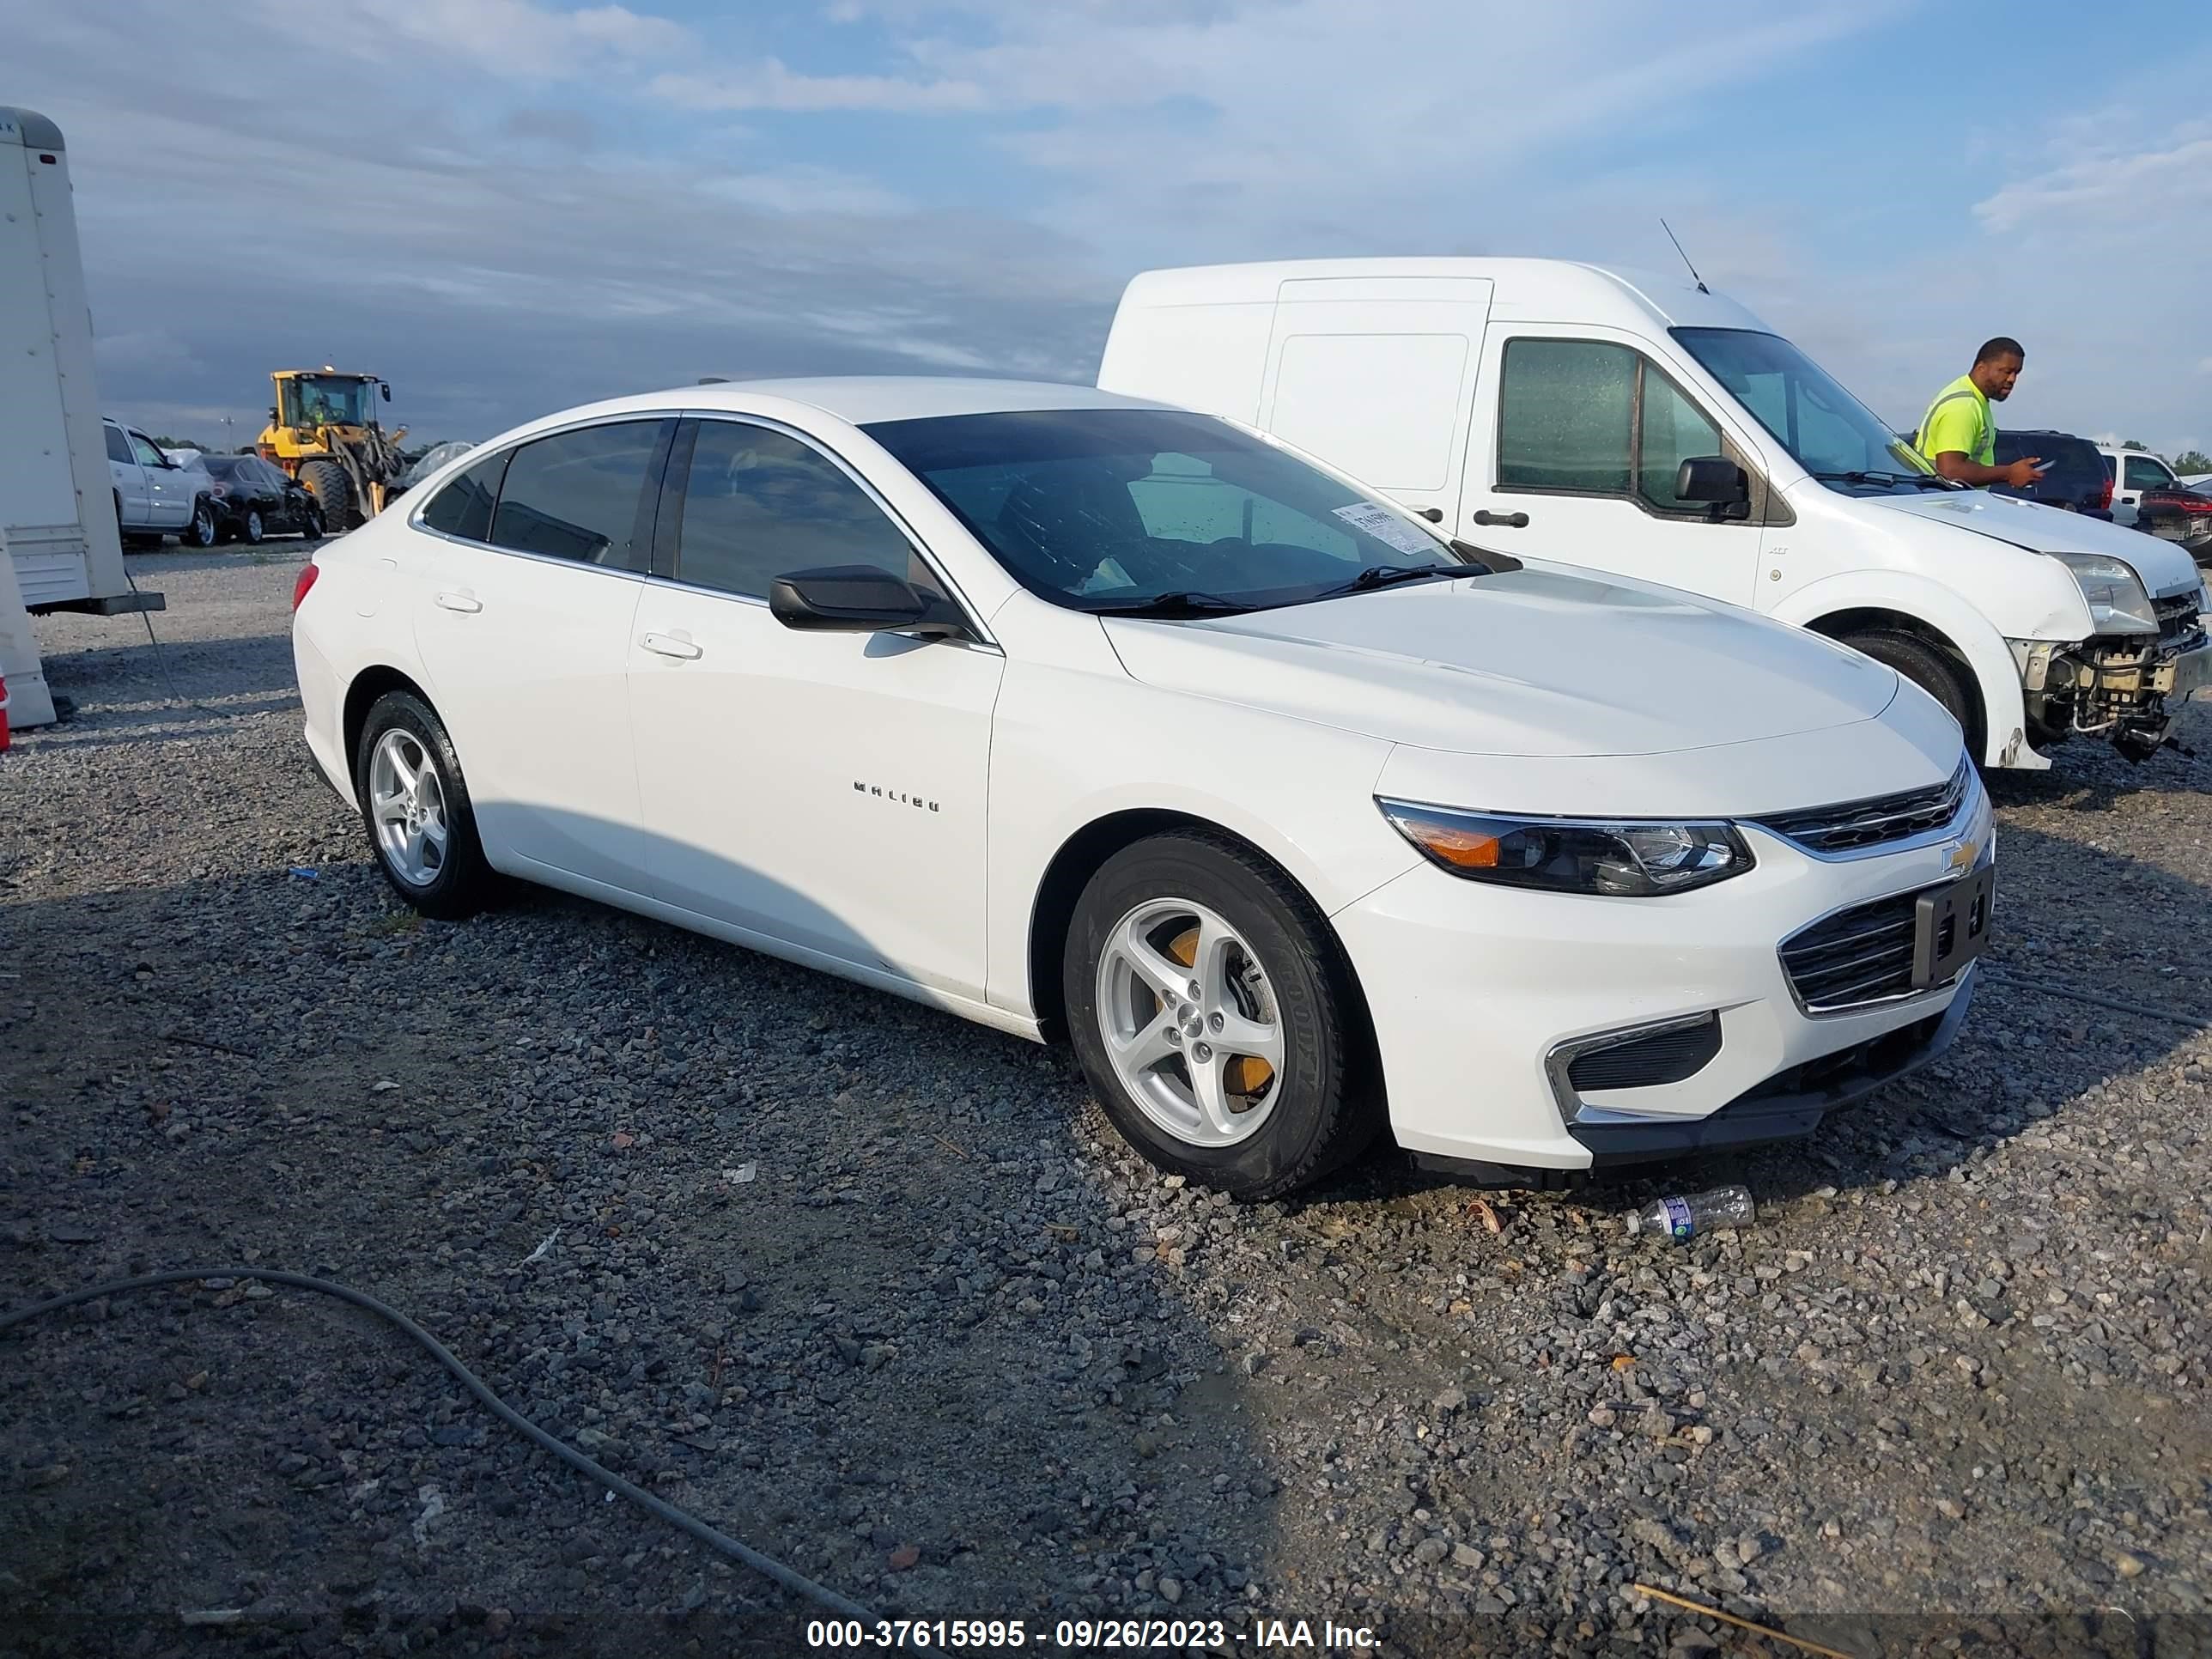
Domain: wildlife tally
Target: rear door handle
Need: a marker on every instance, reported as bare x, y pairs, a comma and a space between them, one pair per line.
467, 604
667, 645
1511, 521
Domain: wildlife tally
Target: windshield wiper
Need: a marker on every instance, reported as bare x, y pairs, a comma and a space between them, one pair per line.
1918, 480
1175, 605
1383, 576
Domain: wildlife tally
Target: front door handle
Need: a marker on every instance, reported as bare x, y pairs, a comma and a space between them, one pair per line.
1511, 521
667, 645
467, 604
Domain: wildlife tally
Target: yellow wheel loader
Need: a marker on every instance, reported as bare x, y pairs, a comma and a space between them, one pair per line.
324, 431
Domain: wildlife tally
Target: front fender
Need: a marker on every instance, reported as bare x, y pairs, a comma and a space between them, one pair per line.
1996, 676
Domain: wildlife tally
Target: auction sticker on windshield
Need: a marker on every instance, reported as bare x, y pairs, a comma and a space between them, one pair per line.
1385, 525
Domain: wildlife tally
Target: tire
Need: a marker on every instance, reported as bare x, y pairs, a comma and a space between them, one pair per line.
326, 481
200, 529
311, 524
1933, 672
458, 881
1316, 1110
253, 531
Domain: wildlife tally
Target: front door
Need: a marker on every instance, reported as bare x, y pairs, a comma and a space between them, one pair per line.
168, 502
1575, 450
2137, 474
523, 584
825, 791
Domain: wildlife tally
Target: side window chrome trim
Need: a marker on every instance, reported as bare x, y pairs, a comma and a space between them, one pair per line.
917, 546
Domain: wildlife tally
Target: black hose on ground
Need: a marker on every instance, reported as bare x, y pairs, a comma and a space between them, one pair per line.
794, 1582
2143, 1010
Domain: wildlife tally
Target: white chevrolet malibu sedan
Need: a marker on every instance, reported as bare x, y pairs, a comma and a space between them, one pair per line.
1095, 720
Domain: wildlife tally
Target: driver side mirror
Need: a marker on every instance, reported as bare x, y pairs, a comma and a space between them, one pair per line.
859, 599
384, 386
1713, 481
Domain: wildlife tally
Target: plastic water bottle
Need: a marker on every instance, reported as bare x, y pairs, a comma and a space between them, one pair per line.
1684, 1218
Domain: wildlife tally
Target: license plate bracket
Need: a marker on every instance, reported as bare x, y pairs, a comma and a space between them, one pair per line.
1950, 926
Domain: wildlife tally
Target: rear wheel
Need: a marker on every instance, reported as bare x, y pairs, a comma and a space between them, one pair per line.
1217, 1019
253, 530
333, 494
1934, 671
416, 807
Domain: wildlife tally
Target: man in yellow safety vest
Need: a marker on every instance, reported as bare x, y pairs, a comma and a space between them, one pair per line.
1959, 433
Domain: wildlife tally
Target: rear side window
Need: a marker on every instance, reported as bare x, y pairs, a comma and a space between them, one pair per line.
118, 449
463, 506
577, 496
759, 505
1565, 415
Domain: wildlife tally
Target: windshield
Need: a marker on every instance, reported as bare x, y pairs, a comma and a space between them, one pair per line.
1832, 435
1109, 509
327, 400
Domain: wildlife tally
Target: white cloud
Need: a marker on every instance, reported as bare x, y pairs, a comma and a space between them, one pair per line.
2108, 184
770, 85
512, 38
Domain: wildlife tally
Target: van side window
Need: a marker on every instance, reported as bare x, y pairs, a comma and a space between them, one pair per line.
1566, 416
1589, 418
1675, 430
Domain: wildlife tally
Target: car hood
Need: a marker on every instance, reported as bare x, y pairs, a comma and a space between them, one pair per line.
1534, 662
2164, 567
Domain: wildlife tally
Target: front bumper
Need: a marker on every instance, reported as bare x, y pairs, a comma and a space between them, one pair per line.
1472, 990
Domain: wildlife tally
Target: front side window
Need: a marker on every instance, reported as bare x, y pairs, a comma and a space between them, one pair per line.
1566, 416
759, 505
1592, 418
576, 495
142, 450
118, 447
1120, 510
2148, 472
463, 504
1831, 434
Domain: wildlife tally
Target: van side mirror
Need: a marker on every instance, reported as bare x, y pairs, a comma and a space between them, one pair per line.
858, 598
1713, 481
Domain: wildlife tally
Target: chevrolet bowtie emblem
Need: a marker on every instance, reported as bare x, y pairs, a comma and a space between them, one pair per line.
1963, 856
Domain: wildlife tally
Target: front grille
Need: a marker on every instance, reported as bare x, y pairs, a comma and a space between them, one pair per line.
1858, 956
2177, 623
1859, 824
1647, 1061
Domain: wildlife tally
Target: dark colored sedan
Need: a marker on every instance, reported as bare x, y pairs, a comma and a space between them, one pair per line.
2074, 475
2177, 514
253, 499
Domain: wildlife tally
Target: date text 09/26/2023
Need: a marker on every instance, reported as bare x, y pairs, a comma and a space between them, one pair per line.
1091, 1635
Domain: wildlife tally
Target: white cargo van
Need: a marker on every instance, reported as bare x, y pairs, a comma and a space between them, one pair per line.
1645, 426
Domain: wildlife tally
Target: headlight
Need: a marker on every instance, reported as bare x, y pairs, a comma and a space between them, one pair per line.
1612, 857
2114, 593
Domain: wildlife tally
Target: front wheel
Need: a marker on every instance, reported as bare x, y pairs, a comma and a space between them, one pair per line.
201, 531
416, 807
326, 483
1217, 1019
311, 525
1933, 672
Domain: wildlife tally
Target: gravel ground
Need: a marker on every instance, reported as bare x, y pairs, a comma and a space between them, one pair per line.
879, 1292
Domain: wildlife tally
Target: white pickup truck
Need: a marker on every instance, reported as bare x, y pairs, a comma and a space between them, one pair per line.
154, 496
1644, 425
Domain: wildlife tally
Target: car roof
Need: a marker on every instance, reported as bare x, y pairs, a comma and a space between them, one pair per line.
859, 400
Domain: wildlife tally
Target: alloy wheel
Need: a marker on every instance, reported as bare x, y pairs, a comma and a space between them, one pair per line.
1191, 1024
408, 805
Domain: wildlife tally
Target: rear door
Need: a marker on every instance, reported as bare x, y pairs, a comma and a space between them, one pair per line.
1577, 440
1376, 376
128, 478
526, 571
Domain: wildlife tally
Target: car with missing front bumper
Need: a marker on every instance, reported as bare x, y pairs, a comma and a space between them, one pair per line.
1094, 720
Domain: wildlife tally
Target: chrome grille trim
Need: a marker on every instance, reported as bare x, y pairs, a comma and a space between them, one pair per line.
1855, 828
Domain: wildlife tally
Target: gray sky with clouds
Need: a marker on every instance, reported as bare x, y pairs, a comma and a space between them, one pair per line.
505, 206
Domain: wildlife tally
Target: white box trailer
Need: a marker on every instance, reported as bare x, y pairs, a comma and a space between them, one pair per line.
57, 507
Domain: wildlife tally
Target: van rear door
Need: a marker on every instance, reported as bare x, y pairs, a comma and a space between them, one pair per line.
1376, 375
